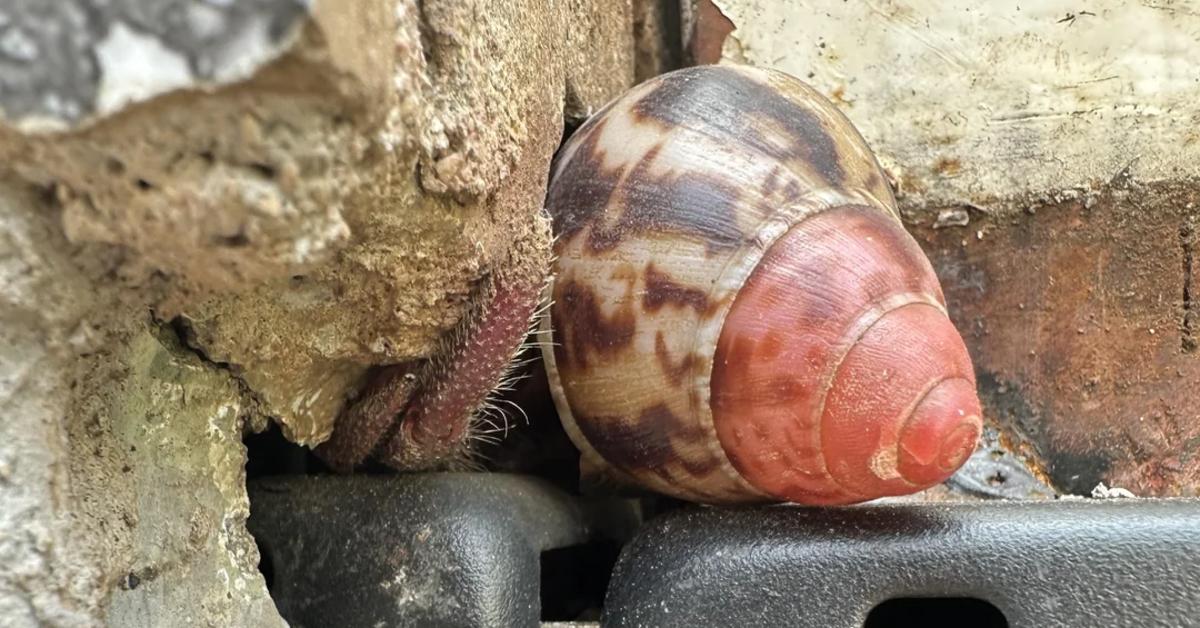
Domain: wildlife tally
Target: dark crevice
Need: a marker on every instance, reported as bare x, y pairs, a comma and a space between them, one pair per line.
185, 336
428, 45
1188, 326
235, 241
182, 329
268, 452
658, 38
997, 479
266, 564
672, 17
536, 443
935, 611
574, 580
266, 171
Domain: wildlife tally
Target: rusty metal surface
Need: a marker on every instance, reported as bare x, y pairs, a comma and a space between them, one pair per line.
1080, 314
995, 472
709, 29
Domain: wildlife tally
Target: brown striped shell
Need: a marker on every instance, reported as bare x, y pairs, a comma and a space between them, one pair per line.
738, 314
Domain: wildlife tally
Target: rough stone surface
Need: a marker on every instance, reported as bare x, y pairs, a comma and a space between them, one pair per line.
43, 324
382, 178
219, 184
1045, 155
451, 186
120, 452
178, 425
303, 191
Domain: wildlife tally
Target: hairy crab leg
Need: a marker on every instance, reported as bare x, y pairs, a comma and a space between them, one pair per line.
427, 419
436, 428
367, 421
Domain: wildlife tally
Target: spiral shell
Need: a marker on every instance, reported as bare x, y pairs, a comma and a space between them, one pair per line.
738, 314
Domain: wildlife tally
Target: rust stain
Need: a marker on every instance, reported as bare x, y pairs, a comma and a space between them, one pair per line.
1079, 317
947, 166
838, 96
709, 31
1190, 308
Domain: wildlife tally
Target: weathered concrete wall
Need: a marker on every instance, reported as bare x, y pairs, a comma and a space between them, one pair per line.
976, 102
121, 463
179, 497
44, 327
301, 191
1045, 155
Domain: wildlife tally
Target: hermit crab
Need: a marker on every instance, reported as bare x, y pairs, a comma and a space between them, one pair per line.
736, 313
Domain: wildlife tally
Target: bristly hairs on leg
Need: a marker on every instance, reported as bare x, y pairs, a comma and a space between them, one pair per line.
491, 421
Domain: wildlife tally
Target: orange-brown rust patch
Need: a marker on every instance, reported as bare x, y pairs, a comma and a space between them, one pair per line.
1189, 326
838, 95
709, 30
947, 166
1074, 316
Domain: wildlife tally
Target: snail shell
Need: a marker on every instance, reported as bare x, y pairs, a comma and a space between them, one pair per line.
738, 314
